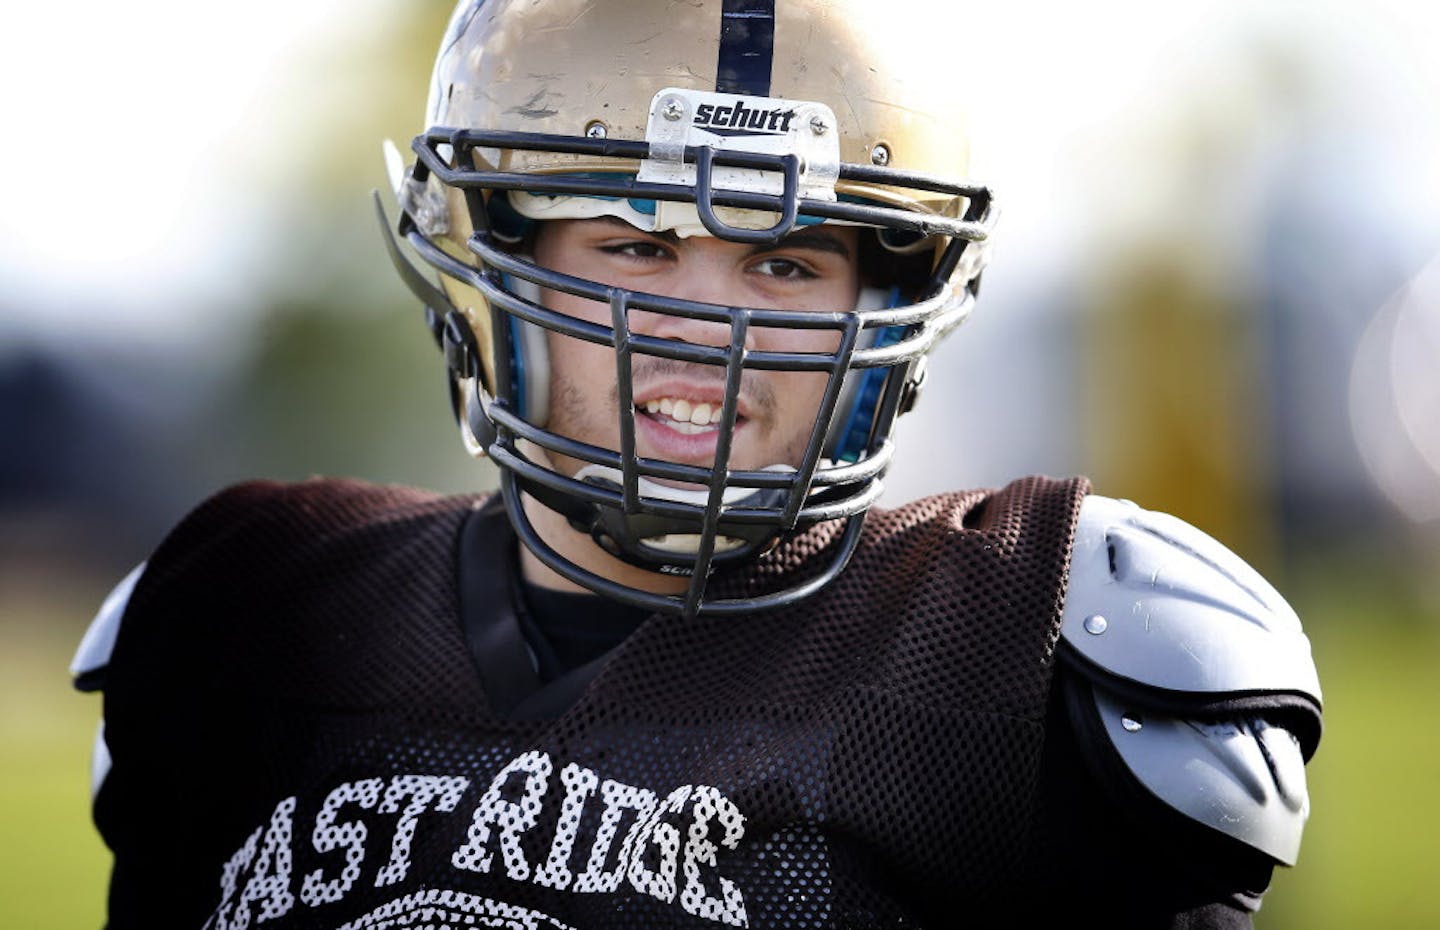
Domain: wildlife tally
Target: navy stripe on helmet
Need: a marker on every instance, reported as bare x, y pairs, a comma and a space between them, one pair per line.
747, 46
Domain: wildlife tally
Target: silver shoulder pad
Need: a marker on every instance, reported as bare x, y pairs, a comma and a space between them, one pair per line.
95, 647
1243, 777
1163, 611
92, 657
1153, 600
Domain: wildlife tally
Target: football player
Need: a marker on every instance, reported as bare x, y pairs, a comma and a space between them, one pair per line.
684, 262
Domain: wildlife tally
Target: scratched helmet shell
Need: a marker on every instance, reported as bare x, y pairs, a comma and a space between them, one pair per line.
735, 118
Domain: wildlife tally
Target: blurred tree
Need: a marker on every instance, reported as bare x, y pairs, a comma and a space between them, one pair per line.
1177, 401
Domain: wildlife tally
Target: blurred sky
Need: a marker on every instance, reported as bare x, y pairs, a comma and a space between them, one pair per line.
144, 153
145, 142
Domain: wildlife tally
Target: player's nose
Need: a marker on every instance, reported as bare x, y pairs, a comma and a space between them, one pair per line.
713, 325
708, 304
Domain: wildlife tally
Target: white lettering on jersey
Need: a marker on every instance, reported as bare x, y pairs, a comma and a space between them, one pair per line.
657, 833
328, 836
664, 840
512, 817
618, 798
421, 790
230, 879
580, 783
269, 884
712, 807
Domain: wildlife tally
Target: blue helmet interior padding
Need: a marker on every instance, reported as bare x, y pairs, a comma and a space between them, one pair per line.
518, 364
529, 361
854, 434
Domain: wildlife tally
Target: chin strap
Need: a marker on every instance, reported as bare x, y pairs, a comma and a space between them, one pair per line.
657, 542
694, 602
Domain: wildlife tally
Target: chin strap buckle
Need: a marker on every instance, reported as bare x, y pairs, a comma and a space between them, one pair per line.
457, 341
914, 385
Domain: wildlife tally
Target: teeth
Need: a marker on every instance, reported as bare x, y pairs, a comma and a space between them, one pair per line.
685, 414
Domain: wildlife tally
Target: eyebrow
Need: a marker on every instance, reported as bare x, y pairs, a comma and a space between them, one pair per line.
811, 237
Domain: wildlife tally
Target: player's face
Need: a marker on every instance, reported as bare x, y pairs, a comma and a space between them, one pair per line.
678, 403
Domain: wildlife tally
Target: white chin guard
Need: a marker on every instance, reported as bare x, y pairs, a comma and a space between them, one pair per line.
680, 543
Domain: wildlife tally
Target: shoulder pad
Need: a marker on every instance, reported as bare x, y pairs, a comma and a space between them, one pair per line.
1198, 676
1155, 601
1242, 777
93, 654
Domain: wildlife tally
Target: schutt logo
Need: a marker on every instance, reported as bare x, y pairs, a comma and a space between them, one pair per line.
742, 120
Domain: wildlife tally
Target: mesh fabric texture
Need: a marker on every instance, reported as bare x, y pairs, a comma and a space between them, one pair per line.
300, 738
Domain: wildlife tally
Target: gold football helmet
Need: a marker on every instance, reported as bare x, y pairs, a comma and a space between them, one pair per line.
740, 119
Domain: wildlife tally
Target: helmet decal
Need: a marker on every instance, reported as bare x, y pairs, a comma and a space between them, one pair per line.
747, 46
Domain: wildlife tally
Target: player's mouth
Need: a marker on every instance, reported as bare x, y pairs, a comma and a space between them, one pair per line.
681, 422
684, 416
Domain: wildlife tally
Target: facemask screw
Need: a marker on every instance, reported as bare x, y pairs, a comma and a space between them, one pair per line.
1095, 624
818, 125
672, 109
595, 130
1131, 723
880, 155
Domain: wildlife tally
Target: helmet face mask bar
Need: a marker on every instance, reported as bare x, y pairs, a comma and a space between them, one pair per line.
674, 518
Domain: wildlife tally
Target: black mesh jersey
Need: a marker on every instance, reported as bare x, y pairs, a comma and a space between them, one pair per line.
301, 737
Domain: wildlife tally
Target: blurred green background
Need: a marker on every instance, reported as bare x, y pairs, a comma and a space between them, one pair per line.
1215, 291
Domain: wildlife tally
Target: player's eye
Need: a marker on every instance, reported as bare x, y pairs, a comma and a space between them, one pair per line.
636, 248
783, 268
